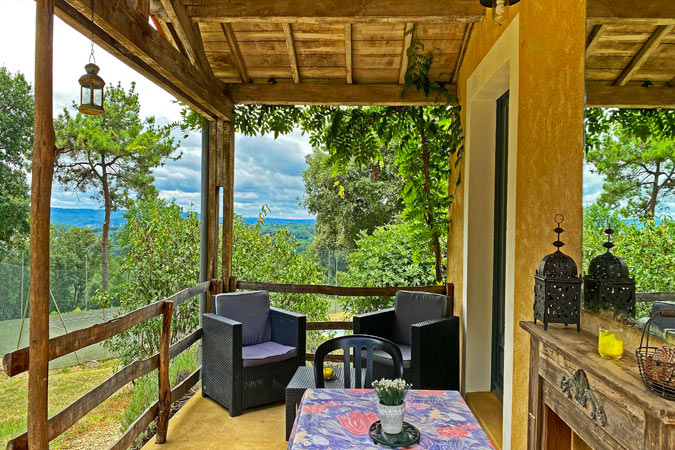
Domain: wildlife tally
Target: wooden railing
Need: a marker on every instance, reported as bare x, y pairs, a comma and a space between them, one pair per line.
17, 362
651, 297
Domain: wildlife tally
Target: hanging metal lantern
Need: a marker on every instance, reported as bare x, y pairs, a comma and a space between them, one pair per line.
91, 91
608, 284
500, 9
91, 85
557, 287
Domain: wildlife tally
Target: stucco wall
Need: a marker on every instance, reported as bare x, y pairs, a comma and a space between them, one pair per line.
548, 164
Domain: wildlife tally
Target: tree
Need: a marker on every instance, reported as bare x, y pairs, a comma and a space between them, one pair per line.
635, 151
111, 155
16, 142
392, 255
360, 198
422, 139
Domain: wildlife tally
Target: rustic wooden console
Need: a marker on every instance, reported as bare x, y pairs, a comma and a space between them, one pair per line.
579, 400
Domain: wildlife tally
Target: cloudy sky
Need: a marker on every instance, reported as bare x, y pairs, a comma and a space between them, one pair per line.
266, 171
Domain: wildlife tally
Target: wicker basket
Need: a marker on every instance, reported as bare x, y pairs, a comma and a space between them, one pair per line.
657, 365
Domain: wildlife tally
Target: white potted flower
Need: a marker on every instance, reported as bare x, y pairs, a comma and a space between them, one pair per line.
391, 405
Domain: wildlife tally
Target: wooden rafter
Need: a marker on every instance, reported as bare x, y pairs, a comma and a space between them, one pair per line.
346, 11
176, 39
292, 58
236, 53
124, 33
651, 12
645, 52
594, 38
143, 7
407, 39
188, 35
318, 94
348, 53
629, 97
462, 51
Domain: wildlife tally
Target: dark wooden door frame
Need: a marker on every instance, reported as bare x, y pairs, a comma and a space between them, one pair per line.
499, 245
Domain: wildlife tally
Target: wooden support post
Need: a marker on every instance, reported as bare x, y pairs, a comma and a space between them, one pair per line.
228, 198
232, 284
164, 385
212, 216
41, 191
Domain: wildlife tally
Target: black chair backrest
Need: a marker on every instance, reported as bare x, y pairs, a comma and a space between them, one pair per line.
360, 343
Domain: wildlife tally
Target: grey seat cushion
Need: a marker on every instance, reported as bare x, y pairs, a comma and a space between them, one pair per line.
266, 353
252, 310
382, 357
414, 307
663, 323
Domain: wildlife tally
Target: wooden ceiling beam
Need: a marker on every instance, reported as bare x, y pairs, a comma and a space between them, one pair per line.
629, 97
333, 94
188, 34
292, 58
594, 38
343, 11
647, 12
348, 53
462, 51
407, 40
644, 53
235, 51
123, 32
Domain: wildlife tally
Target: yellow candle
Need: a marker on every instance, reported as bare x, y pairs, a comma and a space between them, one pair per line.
609, 345
327, 373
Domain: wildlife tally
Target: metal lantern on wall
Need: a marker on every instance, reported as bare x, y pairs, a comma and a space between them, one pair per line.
500, 9
608, 285
91, 85
557, 287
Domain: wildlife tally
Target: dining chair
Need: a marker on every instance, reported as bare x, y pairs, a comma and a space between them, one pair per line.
363, 347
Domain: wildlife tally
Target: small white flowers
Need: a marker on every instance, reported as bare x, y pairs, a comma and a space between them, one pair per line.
391, 392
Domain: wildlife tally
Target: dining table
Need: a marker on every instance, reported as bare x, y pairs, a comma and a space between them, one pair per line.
332, 419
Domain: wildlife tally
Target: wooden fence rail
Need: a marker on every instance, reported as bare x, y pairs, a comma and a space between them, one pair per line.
341, 291
650, 297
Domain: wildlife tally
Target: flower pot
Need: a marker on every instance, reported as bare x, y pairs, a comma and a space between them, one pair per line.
391, 417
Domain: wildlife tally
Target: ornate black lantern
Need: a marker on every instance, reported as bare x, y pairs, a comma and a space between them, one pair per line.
557, 287
608, 285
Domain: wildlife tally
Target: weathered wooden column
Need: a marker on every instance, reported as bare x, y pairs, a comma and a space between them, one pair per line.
41, 190
228, 202
212, 219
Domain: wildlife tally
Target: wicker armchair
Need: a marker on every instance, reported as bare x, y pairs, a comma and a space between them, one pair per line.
250, 351
427, 337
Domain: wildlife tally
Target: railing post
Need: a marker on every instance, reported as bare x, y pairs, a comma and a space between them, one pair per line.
164, 385
232, 284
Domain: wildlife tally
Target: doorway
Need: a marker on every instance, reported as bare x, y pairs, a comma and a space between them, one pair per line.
499, 246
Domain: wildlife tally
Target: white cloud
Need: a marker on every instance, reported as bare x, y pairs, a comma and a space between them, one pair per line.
266, 171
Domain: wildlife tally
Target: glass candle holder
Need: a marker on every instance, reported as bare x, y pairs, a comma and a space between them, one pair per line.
328, 372
610, 343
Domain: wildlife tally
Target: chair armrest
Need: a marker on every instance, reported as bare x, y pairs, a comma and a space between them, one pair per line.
221, 338
435, 354
290, 328
377, 323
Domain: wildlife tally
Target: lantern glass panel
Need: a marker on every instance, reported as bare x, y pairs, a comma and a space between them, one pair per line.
98, 95
86, 94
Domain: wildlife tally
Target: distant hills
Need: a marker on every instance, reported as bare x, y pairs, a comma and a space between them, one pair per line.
93, 218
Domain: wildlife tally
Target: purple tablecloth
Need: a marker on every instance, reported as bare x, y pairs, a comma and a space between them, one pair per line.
336, 419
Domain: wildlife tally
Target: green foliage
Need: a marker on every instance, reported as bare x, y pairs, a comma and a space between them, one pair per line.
16, 142
161, 258
647, 246
111, 155
392, 256
635, 151
273, 258
358, 198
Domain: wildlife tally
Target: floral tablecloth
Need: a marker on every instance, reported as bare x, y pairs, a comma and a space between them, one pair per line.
336, 419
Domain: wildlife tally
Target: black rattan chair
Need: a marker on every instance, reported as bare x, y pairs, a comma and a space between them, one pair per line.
427, 336
250, 351
363, 347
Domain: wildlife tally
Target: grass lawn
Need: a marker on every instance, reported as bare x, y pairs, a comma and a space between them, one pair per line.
9, 334
98, 429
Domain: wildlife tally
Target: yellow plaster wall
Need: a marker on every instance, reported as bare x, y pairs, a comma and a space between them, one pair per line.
549, 159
